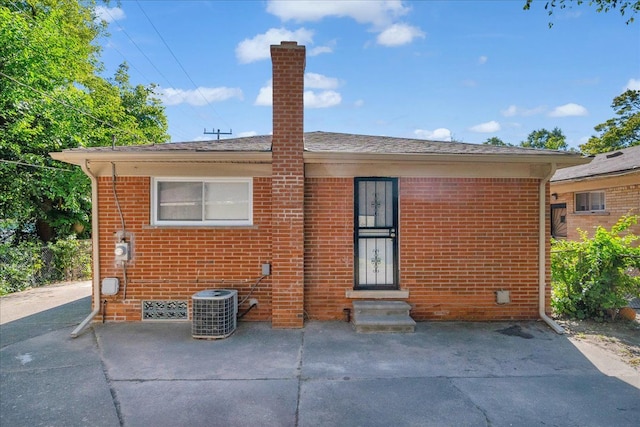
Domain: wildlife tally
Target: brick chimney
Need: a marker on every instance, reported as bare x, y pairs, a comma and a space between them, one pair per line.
287, 186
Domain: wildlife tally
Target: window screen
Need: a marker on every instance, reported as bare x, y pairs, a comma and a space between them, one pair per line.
207, 202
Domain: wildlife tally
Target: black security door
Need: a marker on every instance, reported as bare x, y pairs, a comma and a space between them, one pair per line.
376, 230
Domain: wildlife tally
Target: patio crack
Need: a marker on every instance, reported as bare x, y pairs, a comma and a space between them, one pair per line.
112, 390
482, 411
299, 378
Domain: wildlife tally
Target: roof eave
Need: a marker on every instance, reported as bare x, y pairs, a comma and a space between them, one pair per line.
561, 160
81, 157
596, 176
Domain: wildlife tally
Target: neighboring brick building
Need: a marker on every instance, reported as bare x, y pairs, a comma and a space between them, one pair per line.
441, 225
596, 194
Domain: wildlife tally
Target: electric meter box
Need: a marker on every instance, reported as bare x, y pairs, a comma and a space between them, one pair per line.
121, 251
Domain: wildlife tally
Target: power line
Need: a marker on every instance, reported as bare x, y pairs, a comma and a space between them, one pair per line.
180, 64
36, 166
60, 102
126, 131
153, 65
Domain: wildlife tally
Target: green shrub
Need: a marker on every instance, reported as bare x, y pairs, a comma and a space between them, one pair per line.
71, 258
593, 277
30, 263
20, 266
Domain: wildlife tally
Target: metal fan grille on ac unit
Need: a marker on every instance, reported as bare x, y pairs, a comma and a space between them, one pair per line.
214, 313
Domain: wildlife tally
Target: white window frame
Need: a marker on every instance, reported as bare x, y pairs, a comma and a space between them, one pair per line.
202, 222
589, 193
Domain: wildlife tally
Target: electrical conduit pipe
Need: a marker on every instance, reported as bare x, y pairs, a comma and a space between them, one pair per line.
542, 253
95, 249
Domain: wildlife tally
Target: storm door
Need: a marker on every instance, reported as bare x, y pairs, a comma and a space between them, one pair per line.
376, 229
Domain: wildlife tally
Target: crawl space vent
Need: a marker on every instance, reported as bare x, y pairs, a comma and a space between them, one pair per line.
214, 313
165, 310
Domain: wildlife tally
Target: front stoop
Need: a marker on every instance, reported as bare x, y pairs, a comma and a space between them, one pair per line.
382, 316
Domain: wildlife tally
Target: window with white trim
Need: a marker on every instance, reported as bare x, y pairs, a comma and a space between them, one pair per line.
196, 201
590, 201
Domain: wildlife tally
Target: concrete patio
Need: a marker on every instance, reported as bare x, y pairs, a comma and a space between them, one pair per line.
444, 374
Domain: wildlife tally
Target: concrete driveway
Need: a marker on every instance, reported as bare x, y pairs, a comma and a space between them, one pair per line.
445, 374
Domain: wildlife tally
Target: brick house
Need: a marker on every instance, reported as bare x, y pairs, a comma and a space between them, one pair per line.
598, 193
339, 218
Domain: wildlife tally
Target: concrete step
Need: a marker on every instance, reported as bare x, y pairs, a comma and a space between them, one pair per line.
382, 316
377, 324
383, 308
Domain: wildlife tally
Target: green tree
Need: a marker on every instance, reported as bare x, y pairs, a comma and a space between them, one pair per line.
623, 6
621, 131
494, 140
52, 98
545, 139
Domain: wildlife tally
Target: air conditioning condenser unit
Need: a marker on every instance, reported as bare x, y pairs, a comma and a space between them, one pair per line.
214, 313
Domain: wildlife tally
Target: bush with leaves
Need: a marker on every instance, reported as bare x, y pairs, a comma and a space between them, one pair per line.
71, 258
29, 263
20, 265
594, 277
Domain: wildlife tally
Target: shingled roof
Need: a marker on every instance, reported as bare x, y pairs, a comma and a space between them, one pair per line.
619, 162
330, 142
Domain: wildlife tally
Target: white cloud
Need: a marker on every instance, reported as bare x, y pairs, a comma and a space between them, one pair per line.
265, 96
258, 48
247, 134
108, 14
482, 60
440, 134
319, 50
569, 110
359, 103
632, 84
513, 110
487, 127
381, 15
199, 96
399, 34
376, 12
318, 81
322, 99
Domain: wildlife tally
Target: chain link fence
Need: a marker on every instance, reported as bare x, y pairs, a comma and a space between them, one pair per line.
32, 264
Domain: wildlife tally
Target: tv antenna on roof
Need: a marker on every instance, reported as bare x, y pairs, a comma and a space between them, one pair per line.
217, 132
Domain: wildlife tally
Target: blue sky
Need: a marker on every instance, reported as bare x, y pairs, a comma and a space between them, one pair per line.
462, 70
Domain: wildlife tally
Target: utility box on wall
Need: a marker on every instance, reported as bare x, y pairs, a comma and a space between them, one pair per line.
503, 297
110, 286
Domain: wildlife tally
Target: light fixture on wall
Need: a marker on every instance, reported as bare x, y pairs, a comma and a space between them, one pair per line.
555, 196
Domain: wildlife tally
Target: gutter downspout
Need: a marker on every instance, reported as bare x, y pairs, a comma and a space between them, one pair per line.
542, 254
95, 251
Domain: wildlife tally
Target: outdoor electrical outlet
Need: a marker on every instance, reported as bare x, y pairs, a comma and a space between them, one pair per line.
253, 302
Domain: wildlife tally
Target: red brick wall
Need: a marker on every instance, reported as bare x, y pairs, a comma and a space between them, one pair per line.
173, 263
460, 241
328, 254
619, 201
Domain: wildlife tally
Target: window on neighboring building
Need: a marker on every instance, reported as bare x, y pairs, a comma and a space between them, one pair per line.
591, 201
219, 201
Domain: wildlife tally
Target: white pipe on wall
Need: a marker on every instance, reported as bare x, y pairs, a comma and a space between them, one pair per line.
542, 253
95, 251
